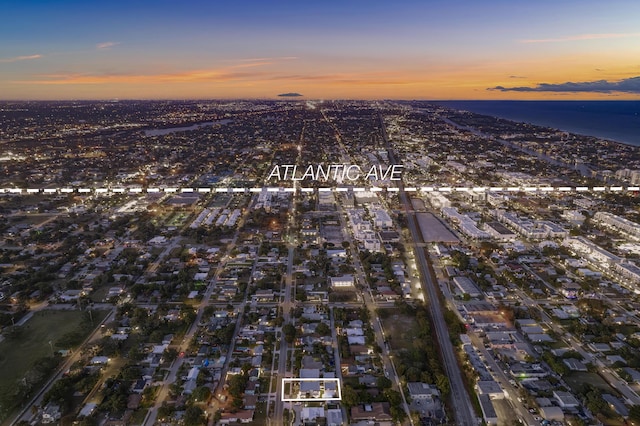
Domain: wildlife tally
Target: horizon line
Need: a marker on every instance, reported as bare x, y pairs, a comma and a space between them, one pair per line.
298, 99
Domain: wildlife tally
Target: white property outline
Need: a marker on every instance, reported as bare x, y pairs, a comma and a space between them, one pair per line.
301, 379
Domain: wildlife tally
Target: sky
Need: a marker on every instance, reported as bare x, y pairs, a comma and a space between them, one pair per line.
345, 49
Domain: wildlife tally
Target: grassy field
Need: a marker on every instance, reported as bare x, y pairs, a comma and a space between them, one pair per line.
398, 328
35, 219
576, 379
18, 354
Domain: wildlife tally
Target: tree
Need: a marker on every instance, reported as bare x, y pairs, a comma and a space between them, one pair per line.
349, 397
634, 413
301, 295
201, 394
60, 393
165, 411
194, 416
323, 329
170, 354
289, 333
383, 382
442, 382
237, 385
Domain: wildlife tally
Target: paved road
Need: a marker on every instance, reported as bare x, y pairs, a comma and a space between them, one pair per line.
463, 410
286, 305
152, 414
516, 407
603, 370
26, 414
503, 380
371, 304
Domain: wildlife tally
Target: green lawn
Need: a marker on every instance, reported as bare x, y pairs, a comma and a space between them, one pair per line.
576, 379
260, 417
18, 354
398, 328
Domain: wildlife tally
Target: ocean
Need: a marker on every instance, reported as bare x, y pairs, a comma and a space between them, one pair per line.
613, 120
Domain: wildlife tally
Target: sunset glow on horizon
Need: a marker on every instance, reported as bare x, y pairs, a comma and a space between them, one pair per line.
328, 50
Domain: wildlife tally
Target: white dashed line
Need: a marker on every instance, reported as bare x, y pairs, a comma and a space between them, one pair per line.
171, 190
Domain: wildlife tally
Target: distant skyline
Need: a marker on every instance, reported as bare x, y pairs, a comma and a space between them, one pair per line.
353, 49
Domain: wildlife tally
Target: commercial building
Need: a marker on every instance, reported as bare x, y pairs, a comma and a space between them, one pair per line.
618, 223
466, 286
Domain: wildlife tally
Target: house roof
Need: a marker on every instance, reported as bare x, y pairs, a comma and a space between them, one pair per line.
374, 411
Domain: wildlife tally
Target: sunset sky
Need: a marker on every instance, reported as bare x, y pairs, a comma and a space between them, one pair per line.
464, 49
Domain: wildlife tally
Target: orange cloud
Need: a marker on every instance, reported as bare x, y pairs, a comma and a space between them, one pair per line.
266, 77
190, 76
223, 74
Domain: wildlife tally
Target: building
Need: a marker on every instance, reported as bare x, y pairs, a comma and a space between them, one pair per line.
425, 399
618, 223
381, 219
466, 225
500, 232
570, 290
575, 364
51, 413
242, 416
566, 400
88, 409
629, 271
334, 417
466, 286
536, 230
345, 281
376, 411
310, 388
423, 391
312, 414
592, 252
490, 388
552, 413
616, 404
488, 411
